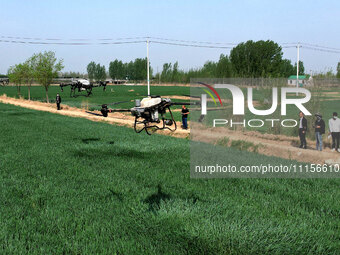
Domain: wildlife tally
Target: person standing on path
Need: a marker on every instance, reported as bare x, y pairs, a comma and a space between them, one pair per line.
58, 101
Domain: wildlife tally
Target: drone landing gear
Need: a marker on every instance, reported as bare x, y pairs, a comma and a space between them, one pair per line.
147, 127
73, 91
89, 92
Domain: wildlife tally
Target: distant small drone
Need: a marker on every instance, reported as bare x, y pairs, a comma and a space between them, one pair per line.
83, 85
149, 112
4, 81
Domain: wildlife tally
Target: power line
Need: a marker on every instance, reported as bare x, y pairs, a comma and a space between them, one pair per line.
192, 42
71, 39
319, 46
68, 43
322, 50
143, 39
115, 39
193, 45
286, 47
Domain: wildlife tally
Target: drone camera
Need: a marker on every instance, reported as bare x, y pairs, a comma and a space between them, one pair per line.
168, 122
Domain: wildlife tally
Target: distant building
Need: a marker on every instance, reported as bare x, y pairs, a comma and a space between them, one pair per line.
116, 81
303, 80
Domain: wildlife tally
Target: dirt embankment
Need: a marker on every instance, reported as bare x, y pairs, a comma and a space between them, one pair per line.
268, 144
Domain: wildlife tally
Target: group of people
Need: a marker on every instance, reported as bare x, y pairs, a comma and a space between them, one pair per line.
320, 128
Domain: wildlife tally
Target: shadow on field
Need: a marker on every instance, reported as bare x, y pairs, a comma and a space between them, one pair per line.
155, 199
95, 114
102, 153
18, 113
118, 195
88, 140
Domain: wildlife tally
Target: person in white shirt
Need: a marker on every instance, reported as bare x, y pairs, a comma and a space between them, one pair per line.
334, 129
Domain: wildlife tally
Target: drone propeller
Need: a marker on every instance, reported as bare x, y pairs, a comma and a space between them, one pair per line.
120, 110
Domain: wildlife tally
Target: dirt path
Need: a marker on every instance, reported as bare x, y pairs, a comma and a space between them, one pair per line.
268, 144
114, 118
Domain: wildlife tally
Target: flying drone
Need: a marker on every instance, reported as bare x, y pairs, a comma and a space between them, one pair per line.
149, 113
4, 81
83, 85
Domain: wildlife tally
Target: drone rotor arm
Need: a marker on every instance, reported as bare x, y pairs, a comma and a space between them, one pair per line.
185, 103
120, 110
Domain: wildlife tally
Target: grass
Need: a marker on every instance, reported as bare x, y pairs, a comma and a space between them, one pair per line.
115, 93
239, 144
72, 186
245, 146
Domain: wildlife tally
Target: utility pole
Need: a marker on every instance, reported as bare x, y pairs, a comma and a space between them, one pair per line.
159, 77
147, 60
297, 65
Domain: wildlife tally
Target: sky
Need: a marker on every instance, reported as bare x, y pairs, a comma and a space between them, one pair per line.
229, 21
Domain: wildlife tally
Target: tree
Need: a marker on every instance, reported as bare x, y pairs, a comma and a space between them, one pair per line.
100, 73
338, 70
209, 69
96, 71
301, 68
175, 73
140, 65
47, 68
130, 70
15, 74
166, 72
256, 59
28, 72
224, 67
286, 68
91, 70
117, 70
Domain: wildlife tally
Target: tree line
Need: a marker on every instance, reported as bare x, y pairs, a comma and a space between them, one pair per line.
249, 60
96, 72
134, 70
41, 67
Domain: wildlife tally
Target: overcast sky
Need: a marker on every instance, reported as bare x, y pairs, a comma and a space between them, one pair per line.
315, 22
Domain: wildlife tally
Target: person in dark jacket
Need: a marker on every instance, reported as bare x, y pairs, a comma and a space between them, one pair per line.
58, 101
319, 126
185, 113
302, 130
